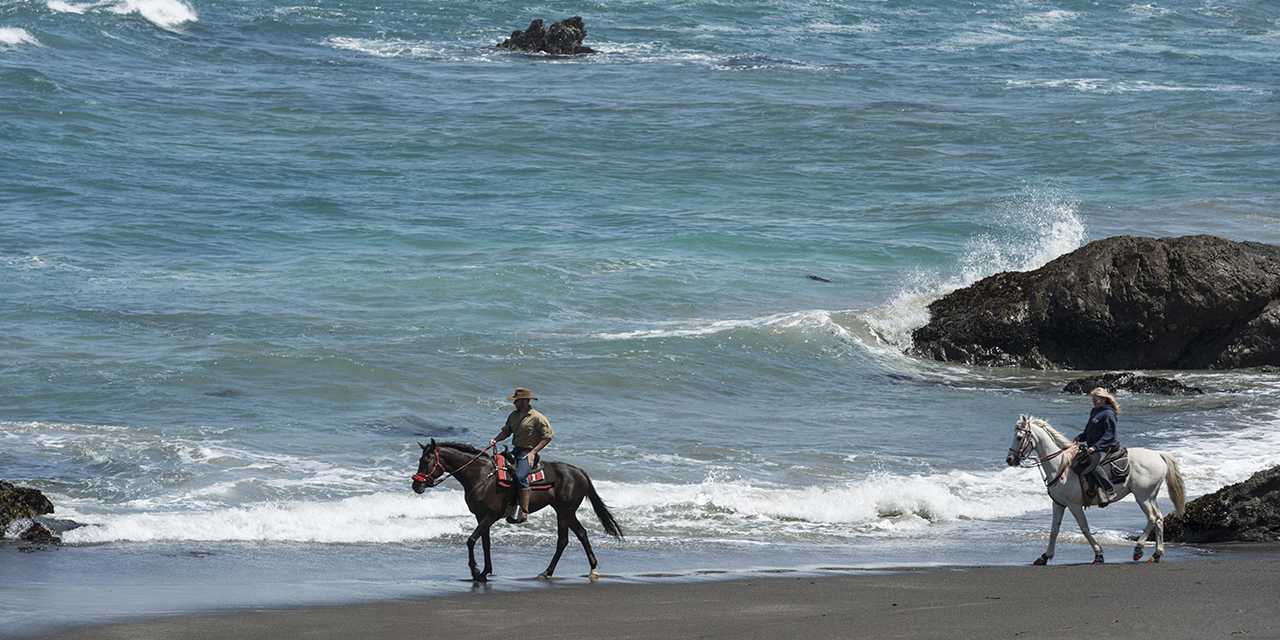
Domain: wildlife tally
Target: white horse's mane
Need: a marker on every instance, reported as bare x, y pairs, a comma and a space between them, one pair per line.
1058, 438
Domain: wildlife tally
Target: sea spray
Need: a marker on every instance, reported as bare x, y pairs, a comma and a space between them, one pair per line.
1032, 229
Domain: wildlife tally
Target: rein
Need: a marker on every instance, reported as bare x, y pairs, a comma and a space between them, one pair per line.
1037, 462
445, 474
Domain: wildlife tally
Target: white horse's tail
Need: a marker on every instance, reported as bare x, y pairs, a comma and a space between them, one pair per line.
1177, 492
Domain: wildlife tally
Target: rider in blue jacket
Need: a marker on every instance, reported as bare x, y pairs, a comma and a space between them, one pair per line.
1098, 439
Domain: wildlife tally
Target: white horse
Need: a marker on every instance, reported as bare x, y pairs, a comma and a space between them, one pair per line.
1054, 452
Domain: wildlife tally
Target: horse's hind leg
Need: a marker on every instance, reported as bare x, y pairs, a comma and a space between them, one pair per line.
562, 539
1153, 521
1159, 552
1078, 512
581, 532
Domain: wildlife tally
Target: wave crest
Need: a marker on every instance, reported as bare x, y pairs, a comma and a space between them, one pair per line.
166, 14
14, 37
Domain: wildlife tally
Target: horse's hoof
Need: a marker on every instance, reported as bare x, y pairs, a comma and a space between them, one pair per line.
1041, 561
1155, 557
593, 576
544, 577
1137, 554
1098, 560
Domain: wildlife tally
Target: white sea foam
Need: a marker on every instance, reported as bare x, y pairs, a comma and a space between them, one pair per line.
822, 26
1049, 19
1147, 10
60, 6
1035, 228
386, 48
373, 518
778, 322
166, 14
994, 35
1107, 86
15, 36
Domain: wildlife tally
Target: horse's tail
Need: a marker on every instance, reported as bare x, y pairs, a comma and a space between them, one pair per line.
611, 526
1173, 478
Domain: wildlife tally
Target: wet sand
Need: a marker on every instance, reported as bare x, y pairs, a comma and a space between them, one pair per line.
1234, 593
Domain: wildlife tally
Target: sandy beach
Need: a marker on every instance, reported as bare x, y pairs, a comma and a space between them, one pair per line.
1233, 594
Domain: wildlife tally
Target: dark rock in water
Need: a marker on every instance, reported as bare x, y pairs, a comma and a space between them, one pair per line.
1247, 511
39, 534
818, 278
20, 502
225, 393
1192, 302
561, 38
1133, 383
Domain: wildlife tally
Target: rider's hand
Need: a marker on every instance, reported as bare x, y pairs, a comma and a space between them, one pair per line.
493, 442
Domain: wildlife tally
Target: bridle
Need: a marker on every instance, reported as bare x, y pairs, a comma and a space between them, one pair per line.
431, 479
1023, 452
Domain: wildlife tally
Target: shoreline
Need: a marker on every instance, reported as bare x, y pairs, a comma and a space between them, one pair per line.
1234, 592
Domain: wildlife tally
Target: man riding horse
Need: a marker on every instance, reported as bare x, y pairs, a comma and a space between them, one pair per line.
532, 433
1097, 440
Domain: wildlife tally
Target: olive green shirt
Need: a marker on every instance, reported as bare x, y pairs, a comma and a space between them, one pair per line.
528, 429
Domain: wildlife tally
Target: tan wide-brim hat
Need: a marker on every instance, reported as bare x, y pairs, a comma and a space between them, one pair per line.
521, 393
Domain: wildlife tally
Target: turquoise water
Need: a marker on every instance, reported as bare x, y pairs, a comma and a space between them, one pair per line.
252, 251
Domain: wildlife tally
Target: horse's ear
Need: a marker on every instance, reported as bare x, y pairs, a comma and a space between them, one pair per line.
424, 447
1022, 417
433, 442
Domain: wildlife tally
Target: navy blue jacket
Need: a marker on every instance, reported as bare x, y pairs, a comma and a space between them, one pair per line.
1100, 433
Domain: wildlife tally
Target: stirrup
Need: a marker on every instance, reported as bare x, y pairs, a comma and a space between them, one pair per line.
521, 518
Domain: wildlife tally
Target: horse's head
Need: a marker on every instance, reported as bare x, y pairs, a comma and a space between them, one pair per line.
430, 468
1023, 441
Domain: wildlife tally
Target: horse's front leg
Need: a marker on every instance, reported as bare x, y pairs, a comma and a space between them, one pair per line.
1044, 558
488, 545
481, 531
1078, 512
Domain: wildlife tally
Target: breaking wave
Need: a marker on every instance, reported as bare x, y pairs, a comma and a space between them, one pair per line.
166, 14
1034, 229
14, 36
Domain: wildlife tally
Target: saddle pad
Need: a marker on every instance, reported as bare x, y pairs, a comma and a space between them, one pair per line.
505, 471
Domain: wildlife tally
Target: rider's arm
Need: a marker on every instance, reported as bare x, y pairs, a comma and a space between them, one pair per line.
502, 435
544, 430
538, 447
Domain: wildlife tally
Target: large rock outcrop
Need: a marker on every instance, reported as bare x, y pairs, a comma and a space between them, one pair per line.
1247, 511
1133, 383
562, 38
1192, 302
18, 503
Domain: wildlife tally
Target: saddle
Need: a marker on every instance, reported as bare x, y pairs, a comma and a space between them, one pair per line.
505, 469
1115, 465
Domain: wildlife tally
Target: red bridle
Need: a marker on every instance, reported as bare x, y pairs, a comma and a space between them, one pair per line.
436, 463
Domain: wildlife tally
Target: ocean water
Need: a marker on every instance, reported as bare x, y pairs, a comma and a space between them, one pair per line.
251, 252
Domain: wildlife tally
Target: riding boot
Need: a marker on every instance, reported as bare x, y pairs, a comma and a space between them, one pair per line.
512, 509
1106, 492
524, 506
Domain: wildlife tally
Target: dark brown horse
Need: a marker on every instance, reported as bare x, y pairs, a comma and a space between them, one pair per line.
475, 471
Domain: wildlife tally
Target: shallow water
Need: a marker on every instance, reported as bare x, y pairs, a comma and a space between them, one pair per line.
252, 252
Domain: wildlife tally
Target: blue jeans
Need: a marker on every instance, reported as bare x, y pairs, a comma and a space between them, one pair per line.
522, 467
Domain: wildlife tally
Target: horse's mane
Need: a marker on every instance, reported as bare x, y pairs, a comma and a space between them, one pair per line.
460, 446
1058, 438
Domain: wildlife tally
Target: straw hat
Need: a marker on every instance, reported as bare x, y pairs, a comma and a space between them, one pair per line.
521, 393
1101, 392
